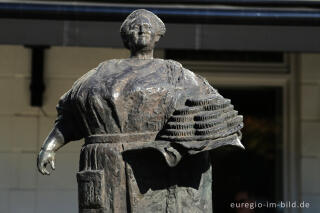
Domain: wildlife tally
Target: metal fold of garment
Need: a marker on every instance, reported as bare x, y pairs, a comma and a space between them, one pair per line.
202, 124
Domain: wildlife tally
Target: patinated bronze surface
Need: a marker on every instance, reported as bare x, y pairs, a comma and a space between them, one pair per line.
148, 125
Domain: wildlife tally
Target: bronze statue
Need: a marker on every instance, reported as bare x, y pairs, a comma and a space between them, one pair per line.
148, 125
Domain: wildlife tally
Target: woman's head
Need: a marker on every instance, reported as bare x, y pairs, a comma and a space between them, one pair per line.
141, 30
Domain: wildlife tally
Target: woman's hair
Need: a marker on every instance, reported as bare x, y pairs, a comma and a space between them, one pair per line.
155, 21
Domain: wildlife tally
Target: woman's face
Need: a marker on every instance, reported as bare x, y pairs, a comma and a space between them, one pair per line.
141, 34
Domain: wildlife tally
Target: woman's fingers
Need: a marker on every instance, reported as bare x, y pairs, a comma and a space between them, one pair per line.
52, 164
44, 169
45, 158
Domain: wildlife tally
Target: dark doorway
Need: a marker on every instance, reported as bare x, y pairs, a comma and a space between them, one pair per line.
255, 173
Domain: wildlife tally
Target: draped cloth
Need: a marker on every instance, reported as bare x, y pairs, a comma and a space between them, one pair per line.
148, 126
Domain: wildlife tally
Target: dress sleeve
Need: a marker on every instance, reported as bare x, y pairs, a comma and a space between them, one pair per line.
204, 121
67, 122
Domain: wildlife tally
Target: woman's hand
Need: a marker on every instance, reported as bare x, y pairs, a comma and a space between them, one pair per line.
45, 157
53, 142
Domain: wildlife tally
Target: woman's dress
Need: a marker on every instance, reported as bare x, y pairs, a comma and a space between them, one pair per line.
148, 126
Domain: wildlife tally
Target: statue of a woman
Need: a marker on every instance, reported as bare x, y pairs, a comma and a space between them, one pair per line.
148, 125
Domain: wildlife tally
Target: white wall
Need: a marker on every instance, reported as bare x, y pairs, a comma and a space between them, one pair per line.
310, 130
23, 128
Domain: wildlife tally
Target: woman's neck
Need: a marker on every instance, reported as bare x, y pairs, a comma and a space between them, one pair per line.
146, 54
